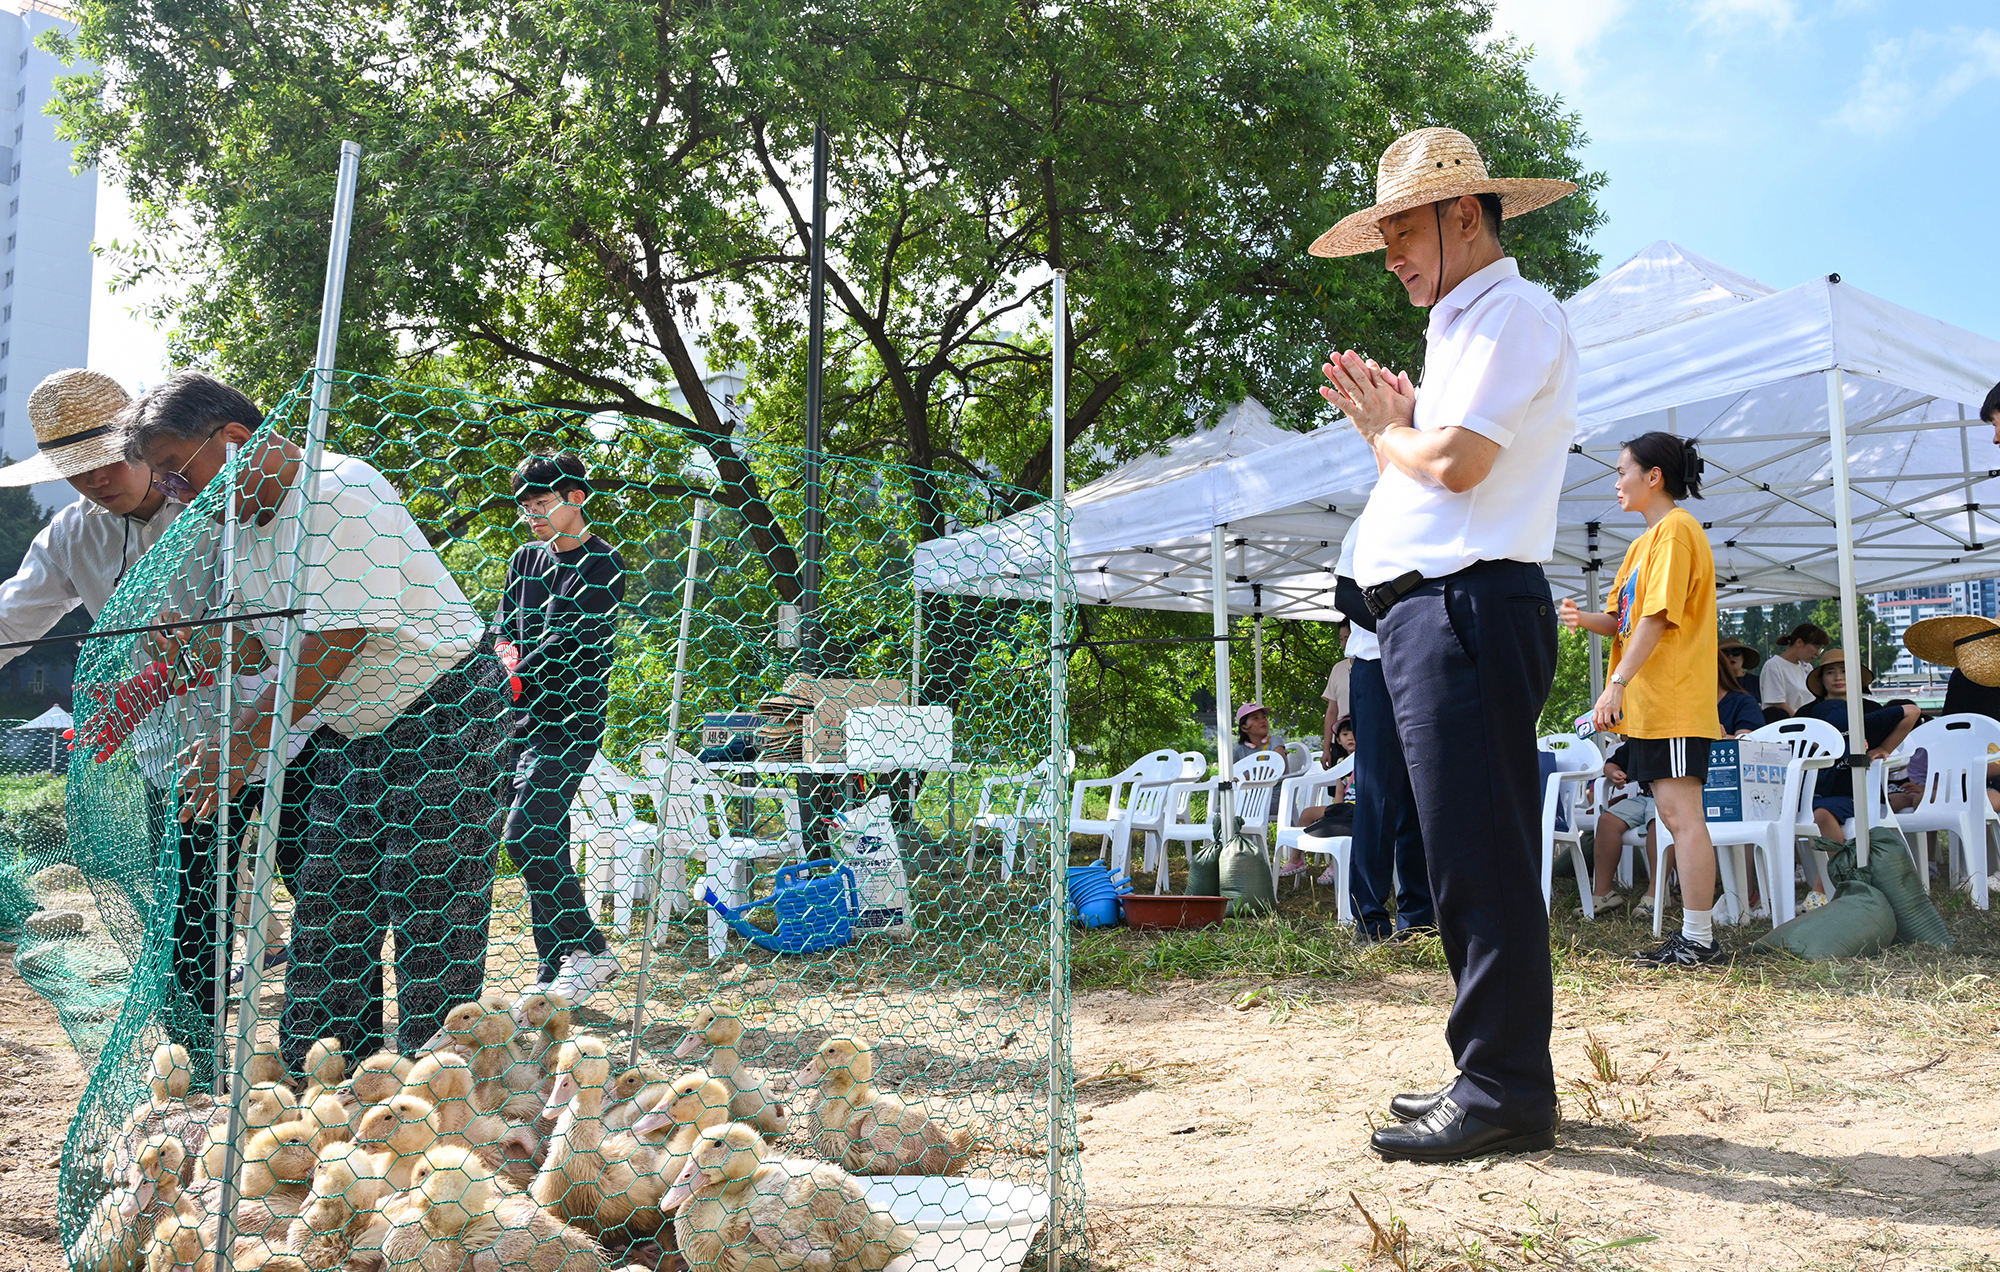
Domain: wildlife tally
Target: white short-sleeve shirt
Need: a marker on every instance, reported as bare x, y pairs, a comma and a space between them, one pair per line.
367, 566
1782, 682
1499, 360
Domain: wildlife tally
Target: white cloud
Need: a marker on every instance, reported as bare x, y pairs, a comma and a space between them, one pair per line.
1561, 31
1918, 76
1776, 14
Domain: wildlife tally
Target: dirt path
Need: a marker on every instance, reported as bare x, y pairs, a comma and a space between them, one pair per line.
1757, 1144
40, 1084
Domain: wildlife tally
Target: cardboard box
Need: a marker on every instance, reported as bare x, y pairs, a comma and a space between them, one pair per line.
1746, 780
823, 733
899, 737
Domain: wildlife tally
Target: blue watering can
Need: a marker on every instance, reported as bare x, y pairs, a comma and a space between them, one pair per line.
815, 910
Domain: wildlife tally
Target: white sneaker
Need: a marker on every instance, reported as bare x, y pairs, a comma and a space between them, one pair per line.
583, 975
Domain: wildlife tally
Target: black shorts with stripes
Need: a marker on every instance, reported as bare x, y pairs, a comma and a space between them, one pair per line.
1650, 759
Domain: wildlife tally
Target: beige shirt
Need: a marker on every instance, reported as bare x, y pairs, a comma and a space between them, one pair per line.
1336, 688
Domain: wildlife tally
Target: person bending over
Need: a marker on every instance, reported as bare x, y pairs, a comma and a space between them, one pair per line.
1663, 655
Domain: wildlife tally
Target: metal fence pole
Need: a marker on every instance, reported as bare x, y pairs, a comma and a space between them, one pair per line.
1058, 765
288, 652
1852, 637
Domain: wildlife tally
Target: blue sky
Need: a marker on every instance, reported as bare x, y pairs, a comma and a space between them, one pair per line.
1788, 140
1782, 139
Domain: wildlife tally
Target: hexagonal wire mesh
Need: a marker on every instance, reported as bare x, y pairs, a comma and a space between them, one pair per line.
788, 781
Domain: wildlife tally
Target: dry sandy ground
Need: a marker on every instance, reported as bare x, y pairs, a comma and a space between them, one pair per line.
1762, 1144
1741, 1129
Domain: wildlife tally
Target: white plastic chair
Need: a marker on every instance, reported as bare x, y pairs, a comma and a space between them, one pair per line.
1118, 793
1145, 810
1954, 792
1179, 826
617, 845
1309, 789
1814, 745
1298, 758
1337, 849
1577, 763
1033, 804
696, 820
1257, 779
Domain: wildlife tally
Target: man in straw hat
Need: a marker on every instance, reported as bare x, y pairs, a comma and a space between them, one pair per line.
1448, 560
84, 551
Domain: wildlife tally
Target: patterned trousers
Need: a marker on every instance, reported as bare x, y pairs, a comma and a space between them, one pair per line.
400, 839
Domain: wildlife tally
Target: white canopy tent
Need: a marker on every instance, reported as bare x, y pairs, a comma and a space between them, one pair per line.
1804, 401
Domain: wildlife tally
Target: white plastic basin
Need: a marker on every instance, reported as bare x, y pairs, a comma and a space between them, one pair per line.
964, 1225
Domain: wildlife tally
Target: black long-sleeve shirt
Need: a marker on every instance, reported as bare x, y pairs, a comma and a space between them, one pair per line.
559, 610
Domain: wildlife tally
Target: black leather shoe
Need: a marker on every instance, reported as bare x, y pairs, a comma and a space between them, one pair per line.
1408, 1107
1449, 1134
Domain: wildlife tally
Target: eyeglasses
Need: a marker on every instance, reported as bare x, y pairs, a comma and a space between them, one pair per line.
174, 483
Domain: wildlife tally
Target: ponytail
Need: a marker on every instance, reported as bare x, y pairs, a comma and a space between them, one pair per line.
1680, 464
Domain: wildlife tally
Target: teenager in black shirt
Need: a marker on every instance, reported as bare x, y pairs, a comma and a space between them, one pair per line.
555, 630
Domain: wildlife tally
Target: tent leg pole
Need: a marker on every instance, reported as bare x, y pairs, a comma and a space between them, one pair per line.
1595, 599
1225, 737
1852, 637
1257, 659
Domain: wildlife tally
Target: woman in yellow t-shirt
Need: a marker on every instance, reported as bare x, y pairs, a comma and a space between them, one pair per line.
1661, 693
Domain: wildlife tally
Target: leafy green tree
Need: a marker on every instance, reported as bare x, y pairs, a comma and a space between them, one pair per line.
582, 202
21, 519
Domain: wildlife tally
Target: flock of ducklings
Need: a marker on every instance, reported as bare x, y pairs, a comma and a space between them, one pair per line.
508, 1144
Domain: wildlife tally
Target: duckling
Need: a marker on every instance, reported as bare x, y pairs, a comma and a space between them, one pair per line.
609, 1187
168, 1109
872, 1132
462, 1211
331, 1117
380, 1077
402, 1127
632, 1094
120, 1227
542, 1021
265, 1065
739, 1206
342, 1215
263, 1107
326, 1066
754, 1092
687, 1106
486, 1038
278, 1159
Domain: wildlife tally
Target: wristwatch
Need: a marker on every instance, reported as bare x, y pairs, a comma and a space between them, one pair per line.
1617, 679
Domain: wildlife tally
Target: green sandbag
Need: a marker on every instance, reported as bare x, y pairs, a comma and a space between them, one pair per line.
1246, 879
1205, 871
1858, 922
1894, 873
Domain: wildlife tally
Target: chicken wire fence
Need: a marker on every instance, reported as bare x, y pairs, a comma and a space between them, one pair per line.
793, 1008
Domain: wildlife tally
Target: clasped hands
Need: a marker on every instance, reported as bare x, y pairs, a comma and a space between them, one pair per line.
1376, 400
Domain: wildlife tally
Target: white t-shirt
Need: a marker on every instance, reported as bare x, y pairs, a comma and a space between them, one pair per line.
1784, 682
1337, 681
1361, 643
366, 566
1499, 360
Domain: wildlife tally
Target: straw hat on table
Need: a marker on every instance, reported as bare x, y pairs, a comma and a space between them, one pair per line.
1834, 658
1423, 167
1964, 641
73, 413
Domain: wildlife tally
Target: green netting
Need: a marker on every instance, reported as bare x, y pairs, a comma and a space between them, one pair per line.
848, 1004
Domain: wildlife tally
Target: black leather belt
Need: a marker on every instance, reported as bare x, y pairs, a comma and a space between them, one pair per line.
1383, 596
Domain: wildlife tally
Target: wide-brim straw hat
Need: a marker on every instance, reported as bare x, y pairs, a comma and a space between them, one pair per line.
1965, 641
1750, 656
1834, 658
1423, 167
74, 414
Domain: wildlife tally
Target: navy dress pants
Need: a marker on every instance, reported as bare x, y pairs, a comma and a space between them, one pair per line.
1468, 660
1388, 840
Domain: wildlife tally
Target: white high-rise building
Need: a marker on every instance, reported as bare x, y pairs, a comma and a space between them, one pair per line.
51, 217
